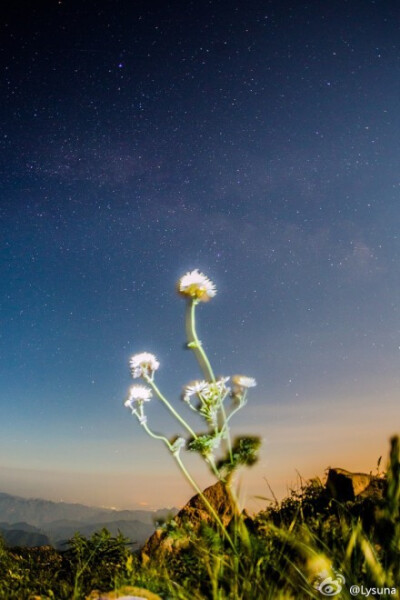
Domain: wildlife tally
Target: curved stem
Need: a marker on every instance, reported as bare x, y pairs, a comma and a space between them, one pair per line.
206, 502
195, 343
155, 436
169, 406
232, 413
241, 404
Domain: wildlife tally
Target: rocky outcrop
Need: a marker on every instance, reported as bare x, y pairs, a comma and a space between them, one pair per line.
345, 486
193, 514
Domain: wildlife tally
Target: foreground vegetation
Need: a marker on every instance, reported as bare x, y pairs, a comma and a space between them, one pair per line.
282, 553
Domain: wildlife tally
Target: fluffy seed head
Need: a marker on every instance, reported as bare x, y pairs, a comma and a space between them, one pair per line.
139, 393
143, 364
242, 381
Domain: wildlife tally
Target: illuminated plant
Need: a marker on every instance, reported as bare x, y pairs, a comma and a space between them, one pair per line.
207, 397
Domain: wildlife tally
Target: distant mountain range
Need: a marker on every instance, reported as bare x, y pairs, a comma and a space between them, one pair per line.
37, 522
23, 534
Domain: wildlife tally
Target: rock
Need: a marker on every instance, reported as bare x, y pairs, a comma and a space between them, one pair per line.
127, 592
376, 489
344, 485
193, 514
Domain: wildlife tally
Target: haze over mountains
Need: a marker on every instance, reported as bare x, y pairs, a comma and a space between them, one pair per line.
38, 522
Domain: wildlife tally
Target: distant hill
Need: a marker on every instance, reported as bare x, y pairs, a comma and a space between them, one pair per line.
22, 526
23, 534
39, 513
37, 522
136, 531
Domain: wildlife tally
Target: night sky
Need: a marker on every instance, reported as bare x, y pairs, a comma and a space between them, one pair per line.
255, 141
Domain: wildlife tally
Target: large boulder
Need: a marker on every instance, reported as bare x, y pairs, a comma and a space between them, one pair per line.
346, 486
193, 514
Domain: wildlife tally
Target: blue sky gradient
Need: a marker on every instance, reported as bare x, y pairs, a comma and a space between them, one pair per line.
258, 143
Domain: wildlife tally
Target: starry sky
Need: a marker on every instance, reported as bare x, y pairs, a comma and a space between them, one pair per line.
257, 141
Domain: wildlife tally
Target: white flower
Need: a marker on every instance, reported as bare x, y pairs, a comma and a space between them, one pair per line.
139, 393
194, 388
206, 389
220, 383
196, 285
217, 388
143, 364
242, 381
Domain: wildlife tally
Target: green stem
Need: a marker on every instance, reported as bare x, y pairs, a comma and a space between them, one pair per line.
241, 404
195, 343
226, 427
169, 406
155, 436
206, 502
232, 413
227, 418
213, 466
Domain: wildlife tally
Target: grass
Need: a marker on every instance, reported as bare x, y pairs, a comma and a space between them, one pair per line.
283, 553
